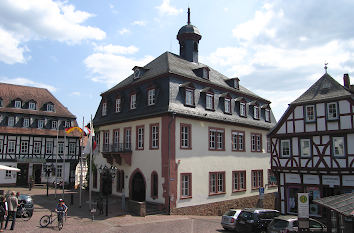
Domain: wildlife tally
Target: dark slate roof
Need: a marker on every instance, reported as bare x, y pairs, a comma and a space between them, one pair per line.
189, 28
343, 204
10, 92
325, 88
169, 63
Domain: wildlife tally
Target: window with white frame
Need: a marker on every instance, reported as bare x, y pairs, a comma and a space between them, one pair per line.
186, 181
238, 181
216, 139
11, 121
24, 147
285, 148
255, 112
154, 136
242, 109
133, 101
40, 124
50, 107
238, 142
106, 138
72, 148
59, 170
216, 182
18, 104
60, 148
67, 124
256, 142
54, 124
269, 146
11, 147
227, 105
116, 138
104, 109
332, 111
151, 96
310, 113
32, 105
140, 138
257, 178
186, 136
305, 147
338, 146
1, 145
118, 101
267, 115
26, 122
127, 138
49, 147
36, 148
209, 101
189, 97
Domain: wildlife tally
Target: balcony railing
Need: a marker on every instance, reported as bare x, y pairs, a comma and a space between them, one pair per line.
117, 147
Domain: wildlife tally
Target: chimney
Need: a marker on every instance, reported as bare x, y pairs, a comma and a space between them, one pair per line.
346, 80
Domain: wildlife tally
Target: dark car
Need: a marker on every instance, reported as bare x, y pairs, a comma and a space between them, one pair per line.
255, 220
289, 223
27, 202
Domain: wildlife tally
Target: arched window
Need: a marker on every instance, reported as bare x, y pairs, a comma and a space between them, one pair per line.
154, 185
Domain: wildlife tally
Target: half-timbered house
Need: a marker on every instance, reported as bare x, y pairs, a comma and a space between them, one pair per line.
184, 136
31, 121
313, 145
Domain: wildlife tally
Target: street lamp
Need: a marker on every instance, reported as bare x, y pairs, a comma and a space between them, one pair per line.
47, 169
107, 175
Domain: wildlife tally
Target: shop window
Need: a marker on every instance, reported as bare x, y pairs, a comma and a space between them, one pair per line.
314, 194
292, 199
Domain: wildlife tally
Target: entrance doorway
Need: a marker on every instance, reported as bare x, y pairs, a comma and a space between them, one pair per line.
138, 187
37, 173
22, 176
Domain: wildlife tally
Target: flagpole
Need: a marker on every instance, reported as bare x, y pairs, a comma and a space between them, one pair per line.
56, 164
90, 183
63, 172
81, 151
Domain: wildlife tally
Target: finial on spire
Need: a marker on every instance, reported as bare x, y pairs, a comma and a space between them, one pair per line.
189, 16
325, 67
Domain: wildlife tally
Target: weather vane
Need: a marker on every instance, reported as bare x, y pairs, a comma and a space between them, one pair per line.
325, 67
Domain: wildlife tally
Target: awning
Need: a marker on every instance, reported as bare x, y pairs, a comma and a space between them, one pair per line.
343, 204
3, 167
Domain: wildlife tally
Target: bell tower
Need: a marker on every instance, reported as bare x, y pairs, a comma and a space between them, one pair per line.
188, 37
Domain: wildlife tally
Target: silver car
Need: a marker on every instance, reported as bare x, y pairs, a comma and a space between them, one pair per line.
289, 224
228, 220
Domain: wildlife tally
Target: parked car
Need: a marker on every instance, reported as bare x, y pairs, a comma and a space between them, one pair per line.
228, 220
289, 224
27, 201
255, 220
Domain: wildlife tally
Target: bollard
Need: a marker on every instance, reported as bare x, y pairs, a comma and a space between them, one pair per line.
72, 199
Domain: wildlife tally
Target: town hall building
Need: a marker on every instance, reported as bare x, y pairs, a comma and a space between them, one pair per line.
185, 136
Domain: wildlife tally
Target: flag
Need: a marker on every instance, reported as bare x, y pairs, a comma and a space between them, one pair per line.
70, 129
90, 142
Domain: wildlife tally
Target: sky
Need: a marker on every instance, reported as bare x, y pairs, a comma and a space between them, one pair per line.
79, 49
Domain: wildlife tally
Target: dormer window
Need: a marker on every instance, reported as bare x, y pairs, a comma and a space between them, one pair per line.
236, 83
32, 105
209, 101
133, 101
104, 109
256, 112
227, 105
202, 72
151, 96
242, 109
138, 71
17, 103
189, 101
267, 115
118, 103
206, 73
50, 107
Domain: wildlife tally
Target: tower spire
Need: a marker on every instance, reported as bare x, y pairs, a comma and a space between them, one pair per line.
189, 16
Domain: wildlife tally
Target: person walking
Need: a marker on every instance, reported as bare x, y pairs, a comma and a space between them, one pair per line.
12, 204
3, 212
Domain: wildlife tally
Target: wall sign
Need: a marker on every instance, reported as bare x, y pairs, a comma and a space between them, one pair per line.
330, 180
303, 205
292, 178
311, 179
348, 180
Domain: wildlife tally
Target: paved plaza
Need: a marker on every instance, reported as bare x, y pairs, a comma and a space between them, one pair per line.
79, 219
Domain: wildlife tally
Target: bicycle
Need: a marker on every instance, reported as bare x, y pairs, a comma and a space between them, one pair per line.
49, 219
24, 213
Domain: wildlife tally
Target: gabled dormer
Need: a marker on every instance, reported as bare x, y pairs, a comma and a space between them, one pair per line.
256, 109
49, 107
234, 83
209, 98
32, 105
139, 71
188, 91
17, 103
242, 106
266, 109
202, 72
226, 99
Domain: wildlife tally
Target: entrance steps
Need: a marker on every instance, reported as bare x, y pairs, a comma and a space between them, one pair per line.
154, 208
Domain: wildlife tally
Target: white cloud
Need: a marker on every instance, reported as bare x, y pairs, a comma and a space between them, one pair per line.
110, 68
75, 93
26, 82
166, 9
139, 22
124, 31
116, 49
22, 21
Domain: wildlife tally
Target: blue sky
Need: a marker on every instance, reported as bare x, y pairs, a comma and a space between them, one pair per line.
79, 49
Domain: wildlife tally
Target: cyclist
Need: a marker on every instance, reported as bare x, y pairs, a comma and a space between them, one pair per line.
61, 209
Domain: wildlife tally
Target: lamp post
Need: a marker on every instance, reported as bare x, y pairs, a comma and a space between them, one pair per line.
47, 169
107, 175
